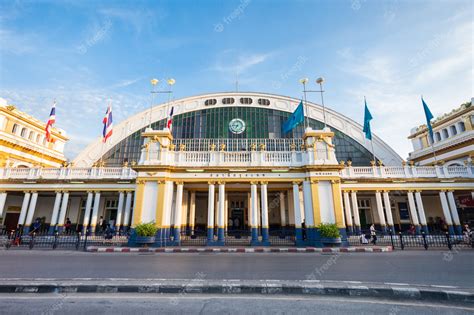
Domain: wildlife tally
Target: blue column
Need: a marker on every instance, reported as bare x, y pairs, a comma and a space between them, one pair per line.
210, 234
265, 235
177, 235
220, 236
254, 240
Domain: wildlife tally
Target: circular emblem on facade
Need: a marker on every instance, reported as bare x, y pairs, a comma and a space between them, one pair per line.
237, 126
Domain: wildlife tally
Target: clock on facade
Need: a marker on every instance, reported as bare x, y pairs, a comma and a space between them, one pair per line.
237, 126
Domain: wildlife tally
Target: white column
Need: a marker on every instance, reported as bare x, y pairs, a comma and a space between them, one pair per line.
453, 208
355, 208
388, 208
210, 206
184, 218
57, 204
169, 186
95, 211
87, 212
62, 213
253, 207
226, 211
411, 204
24, 208
445, 206
221, 215
282, 209
308, 204
259, 210
421, 209
381, 215
192, 210
264, 200
296, 205
120, 209
128, 208
347, 208
3, 199
178, 207
291, 209
31, 209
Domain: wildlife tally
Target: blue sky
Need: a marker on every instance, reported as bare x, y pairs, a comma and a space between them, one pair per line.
84, 53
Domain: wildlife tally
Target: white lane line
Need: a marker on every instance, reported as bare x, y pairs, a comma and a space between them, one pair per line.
395, 283
444, 286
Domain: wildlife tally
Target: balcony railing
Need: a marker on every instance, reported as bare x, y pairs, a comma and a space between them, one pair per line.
408, 172
236, 159
68, 173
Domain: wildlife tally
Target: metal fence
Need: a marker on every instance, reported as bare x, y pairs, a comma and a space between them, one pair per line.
79, 241
76, 241
407, 241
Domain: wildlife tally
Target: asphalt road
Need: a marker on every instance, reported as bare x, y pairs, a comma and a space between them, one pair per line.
412, 267
195, 304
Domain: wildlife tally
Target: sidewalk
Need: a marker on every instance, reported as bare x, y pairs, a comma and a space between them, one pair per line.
184, 287
365, 249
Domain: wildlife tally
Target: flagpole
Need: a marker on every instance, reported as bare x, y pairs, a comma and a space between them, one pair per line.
304, 81
373, 152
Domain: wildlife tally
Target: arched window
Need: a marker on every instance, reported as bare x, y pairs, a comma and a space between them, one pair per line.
438, 136
445, 133
453, 130
211, 101
245, 100
228, 100
38, 138
31, 136
44, 141
15, 128
23, 132
461, 126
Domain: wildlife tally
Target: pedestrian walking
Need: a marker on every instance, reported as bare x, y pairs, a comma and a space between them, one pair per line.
373, 234
67, 226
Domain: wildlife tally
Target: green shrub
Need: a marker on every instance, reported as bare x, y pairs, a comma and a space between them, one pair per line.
329, 230
146, 229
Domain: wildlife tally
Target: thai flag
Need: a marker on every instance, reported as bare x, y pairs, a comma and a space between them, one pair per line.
51, 121
107, 131
170, 119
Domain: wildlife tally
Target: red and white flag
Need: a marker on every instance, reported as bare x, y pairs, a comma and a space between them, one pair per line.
170, 119
51, 121
107, 121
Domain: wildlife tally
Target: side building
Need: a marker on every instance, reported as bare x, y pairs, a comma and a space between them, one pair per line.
453, 139
23, 142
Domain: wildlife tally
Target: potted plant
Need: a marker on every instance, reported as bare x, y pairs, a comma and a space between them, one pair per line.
145, 233
330, 235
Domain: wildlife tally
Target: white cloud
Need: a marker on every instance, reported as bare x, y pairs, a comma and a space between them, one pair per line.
228, 62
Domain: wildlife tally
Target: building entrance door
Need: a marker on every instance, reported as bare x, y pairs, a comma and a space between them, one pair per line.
11, 221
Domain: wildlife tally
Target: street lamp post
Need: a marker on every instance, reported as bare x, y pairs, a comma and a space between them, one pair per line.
319, 81
155, 82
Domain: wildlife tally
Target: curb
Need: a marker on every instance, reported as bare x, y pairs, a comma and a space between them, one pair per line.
235, 287
375, 249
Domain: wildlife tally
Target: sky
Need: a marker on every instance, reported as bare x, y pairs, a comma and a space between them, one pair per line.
85, 53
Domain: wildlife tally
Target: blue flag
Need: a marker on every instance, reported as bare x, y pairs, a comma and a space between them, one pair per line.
428, 116
294, 120
367, 119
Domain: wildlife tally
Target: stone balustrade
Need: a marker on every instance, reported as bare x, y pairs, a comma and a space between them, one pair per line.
68, 173
236, 159
408, 171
